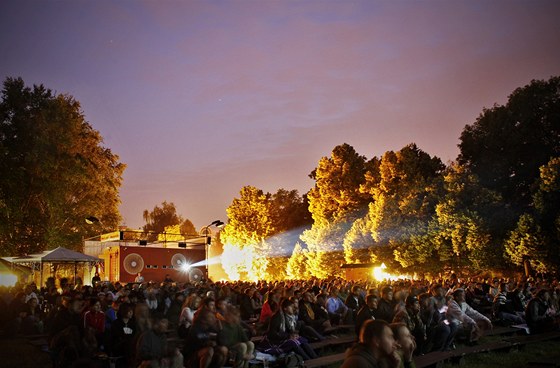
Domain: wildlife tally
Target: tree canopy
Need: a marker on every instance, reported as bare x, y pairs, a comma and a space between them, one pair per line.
54, 172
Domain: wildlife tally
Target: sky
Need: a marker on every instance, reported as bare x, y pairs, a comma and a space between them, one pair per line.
201, 98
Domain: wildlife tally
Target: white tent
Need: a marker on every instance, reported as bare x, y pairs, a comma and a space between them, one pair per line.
59, 255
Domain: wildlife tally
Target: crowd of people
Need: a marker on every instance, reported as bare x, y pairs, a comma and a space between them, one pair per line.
207, 324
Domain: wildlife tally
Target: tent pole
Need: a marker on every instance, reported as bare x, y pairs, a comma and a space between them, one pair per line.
41, 278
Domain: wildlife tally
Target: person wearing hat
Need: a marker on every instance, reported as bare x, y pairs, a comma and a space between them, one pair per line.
410, 317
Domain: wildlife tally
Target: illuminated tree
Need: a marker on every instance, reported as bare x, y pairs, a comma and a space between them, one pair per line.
296, 268
404, 200
334, 202
54, 172
528, 242
464, 218
249, 225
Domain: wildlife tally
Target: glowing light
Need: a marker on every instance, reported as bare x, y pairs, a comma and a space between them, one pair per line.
8, 279
380, 274
184, 267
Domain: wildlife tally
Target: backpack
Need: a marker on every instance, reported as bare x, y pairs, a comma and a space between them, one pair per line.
290, 360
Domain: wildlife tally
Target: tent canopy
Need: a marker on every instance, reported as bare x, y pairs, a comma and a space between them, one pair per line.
58, 255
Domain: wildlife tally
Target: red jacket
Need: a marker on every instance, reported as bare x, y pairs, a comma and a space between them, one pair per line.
95, 320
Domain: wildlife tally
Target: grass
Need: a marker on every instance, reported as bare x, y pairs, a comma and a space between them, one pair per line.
515, 359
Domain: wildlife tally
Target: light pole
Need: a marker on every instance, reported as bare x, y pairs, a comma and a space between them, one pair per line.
208, 239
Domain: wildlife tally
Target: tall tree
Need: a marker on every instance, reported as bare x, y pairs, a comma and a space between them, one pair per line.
405, 199
508, 144
335, 202
159, 218
249, 226
54, 172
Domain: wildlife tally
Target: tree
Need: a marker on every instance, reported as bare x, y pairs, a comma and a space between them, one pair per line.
464, 218
54, 172
336, 194
249, 225
159, 218
335, 202
404, 202
296, 268
508, 144
289, 210
528, 242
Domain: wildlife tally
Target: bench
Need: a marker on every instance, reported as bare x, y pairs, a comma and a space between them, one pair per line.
324, 360
524, 340
333, 341
503, 331
437, 358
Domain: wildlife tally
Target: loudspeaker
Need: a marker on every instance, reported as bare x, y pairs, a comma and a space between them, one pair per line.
143, 242
182, 245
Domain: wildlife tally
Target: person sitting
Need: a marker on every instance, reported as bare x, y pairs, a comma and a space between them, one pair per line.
538, 318
233, 337
410, 316
270, 306
406, 344
94, 320
201, 345
122, 335
466, 318
32, 318
376, 348
502, 307
191, 304
307, 313
354, 301
152, 350
338, 311
367, 312
284, 336
439, 332
386, 306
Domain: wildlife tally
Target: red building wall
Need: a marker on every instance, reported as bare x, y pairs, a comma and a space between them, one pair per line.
124, 262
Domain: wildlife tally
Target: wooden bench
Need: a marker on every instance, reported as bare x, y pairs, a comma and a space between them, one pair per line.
497, 331
324, 360
529, 339
333, 341
437, 358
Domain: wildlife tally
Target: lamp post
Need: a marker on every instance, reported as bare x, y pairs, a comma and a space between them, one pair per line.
208, 239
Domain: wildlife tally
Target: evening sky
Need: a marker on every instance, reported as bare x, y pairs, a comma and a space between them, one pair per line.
200, 98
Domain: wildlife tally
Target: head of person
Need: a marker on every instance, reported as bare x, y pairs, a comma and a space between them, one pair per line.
208, 303
232, 315
412, 303
459, 295
371, 301
426, 302
378, 337
205, 318
387, 293
288, 306
160, 325
125, 311
438, 291
543, 294
404, 339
